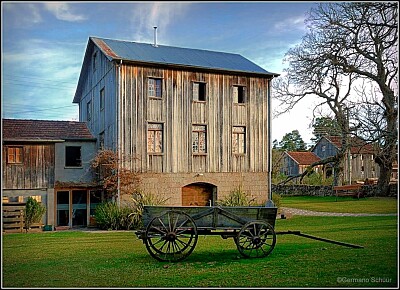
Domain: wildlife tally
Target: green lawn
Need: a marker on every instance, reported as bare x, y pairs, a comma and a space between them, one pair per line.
343, 204
119, 259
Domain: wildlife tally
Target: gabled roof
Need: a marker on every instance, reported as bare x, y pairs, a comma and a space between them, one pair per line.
178, 56
303, 158
358, 146
43, 130
186, 58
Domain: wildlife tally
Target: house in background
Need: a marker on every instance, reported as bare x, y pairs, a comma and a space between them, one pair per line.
50, 160
359, 163
296, 162
194, 123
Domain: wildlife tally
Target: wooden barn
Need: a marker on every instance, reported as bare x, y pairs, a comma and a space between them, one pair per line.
359, 162
50, 161
295, 162
194, 123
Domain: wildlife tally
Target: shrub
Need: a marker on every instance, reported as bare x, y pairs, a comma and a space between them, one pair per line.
139, 200
237, 197
276, 199
109, 216
33, 212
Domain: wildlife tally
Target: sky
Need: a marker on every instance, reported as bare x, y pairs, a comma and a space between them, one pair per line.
43, 45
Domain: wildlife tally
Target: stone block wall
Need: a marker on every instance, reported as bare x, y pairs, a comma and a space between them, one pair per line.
170, 185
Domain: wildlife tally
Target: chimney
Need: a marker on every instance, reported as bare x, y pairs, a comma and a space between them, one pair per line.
155, 36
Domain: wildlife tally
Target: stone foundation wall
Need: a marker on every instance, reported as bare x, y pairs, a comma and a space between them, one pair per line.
169, 185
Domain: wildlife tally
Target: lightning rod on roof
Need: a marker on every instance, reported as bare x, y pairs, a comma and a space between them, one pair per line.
155, 36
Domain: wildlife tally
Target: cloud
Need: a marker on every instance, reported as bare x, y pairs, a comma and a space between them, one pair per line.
22, 15
63, 11
289, 24
47, 91
146, 16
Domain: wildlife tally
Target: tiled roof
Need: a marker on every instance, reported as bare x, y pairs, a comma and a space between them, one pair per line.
37, 130
358, 146
170, 55
303, 158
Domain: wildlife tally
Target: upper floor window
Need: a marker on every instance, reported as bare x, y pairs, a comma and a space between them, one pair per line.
155, 88
239, 94
14, 155
155, 138
199, 139
89, 110
73, 156
102, 98
199, 92
239, 140
94, 61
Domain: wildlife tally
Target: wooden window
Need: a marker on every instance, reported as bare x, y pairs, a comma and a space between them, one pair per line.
102, 99
239, 94
155, 138
155, 88
94, 61
89, 110
199, 139
14, 155
239, 140
73, 156
199, 92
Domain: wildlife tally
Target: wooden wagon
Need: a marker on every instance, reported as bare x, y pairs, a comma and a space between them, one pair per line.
171, 233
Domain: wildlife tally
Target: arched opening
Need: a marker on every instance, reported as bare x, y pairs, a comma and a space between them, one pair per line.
199, 194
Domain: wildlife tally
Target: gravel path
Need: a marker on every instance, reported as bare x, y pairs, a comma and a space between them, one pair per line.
296, 211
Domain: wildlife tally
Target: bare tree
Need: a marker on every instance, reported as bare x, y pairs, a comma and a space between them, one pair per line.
357, 41
310, 74
363, 37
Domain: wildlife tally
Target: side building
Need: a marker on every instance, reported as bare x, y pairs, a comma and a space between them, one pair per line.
194, 123
50, 160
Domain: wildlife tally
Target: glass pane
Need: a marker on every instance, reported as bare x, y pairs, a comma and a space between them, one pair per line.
195, 141
79, 208
158, 141
63, 208
195, 91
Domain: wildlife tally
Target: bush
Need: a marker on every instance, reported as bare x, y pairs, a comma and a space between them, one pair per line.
139, 200
276, 199
236, 197
111, 217
33, 212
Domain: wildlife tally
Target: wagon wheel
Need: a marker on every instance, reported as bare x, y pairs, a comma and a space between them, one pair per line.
171, 236
256, 239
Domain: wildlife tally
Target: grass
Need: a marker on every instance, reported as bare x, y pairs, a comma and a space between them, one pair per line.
118, 259
381, 205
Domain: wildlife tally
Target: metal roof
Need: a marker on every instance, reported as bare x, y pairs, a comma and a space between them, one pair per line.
169, 55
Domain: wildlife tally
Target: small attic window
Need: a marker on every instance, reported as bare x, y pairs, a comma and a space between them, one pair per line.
199, 92
94, 61
239, 94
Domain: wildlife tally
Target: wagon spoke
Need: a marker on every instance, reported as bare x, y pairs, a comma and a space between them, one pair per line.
252, 239
174, 240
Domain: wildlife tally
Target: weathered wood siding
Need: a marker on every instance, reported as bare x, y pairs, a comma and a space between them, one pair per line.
98, 77
177, 111
36, 170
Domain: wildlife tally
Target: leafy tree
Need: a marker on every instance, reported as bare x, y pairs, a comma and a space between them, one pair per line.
292, 142
325, 126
